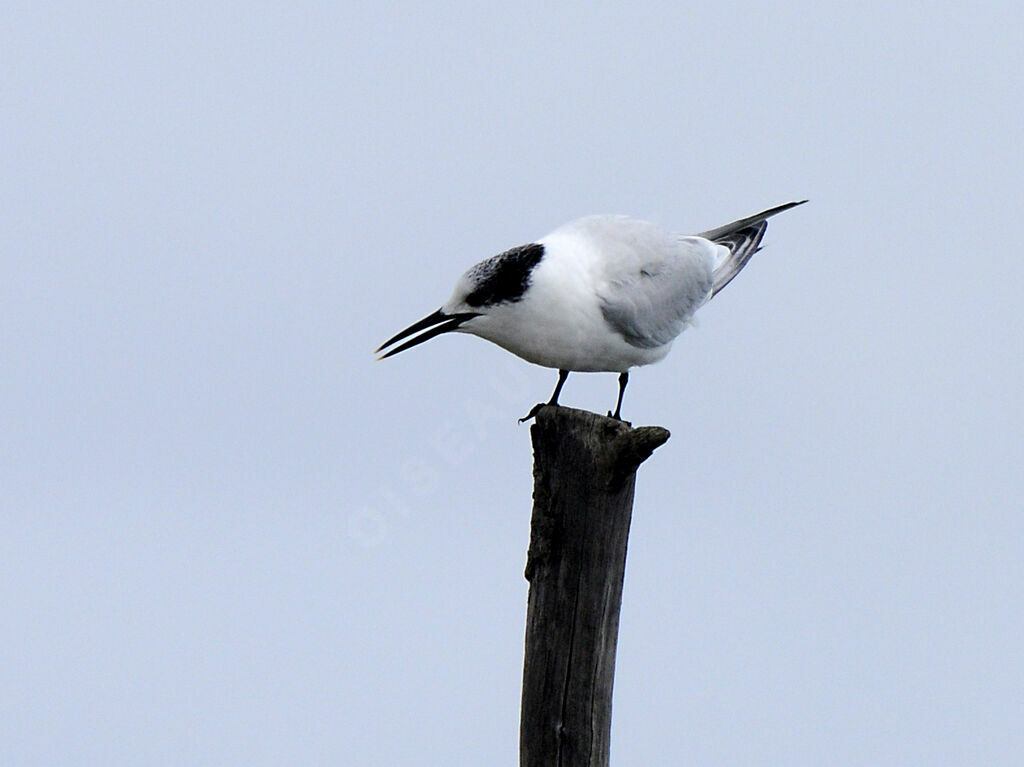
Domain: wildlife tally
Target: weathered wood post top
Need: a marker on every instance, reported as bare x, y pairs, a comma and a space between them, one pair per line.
584, 472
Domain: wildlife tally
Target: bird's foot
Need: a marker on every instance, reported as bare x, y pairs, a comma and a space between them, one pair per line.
533, 411
619, 418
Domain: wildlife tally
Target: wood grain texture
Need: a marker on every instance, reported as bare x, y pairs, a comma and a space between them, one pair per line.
584, 473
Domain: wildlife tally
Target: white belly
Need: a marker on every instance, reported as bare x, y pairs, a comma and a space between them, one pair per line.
563, 331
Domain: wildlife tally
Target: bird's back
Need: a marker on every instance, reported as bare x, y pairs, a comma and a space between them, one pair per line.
648, 281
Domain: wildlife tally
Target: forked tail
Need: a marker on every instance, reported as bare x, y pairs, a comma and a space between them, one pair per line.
743, 239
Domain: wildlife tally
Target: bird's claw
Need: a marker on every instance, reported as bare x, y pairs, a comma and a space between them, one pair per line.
533, 412
619, 418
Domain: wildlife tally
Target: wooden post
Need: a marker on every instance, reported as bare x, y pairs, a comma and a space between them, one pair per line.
584, 471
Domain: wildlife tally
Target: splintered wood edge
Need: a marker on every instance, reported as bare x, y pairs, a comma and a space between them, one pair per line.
630, 449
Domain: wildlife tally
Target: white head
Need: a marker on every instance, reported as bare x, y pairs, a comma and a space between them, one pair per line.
496, 281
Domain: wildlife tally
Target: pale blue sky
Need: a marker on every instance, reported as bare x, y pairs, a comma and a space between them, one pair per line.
228, 536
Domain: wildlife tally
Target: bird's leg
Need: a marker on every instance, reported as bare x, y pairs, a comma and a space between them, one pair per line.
562, 375
623, 380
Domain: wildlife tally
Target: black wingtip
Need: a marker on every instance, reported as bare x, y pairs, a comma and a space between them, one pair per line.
780, 208
734, 226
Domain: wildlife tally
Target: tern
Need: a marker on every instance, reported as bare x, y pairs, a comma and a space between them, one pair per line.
599, 294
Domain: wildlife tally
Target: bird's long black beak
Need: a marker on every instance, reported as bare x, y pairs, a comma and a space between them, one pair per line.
438, 323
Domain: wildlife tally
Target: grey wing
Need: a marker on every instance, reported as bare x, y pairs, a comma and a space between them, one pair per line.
651, 297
